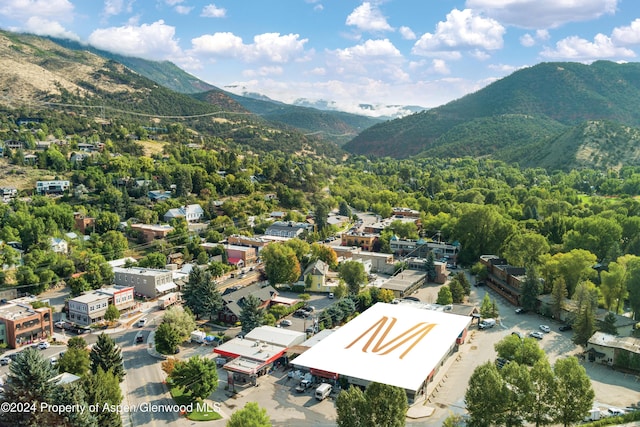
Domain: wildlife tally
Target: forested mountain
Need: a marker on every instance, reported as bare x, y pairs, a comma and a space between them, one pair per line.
536, 106
36, 72
334, 126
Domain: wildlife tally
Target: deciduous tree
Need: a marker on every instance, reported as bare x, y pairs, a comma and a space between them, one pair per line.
198, 376
353, 274
574, 394
251, 415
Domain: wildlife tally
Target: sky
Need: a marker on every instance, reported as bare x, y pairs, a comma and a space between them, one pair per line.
350, 53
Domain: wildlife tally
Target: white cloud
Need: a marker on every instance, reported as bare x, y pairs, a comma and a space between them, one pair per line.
629, 35
183, 10
44, 27
504, 68
367, 17
46, 9
576, 48
151, 41
370, 49
112, 7
543, 14
542, 34
407, 33
527, 40
213, 11
271, 47
439, 66
463, 30
263, 72
173, 2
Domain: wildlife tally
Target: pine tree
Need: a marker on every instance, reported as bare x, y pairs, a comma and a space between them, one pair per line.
103, 388
251, 315
107, 356
530, 290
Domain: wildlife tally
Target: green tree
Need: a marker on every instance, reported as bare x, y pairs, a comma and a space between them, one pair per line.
251, 315
280, 263
387, 405
353, 274
430, 267
103, 388
613, 284
542, 411
481, 229
201, 294
525, 351
558, 295
107, 221
251, 415
340, 291
198, 376
78, 285
182, 319
596, 234
73, 394
519, 393
486, 408
153, 260
444, 296
28, 382
77, 342
525, 249
486, 309
75, 361
352, 408
457, 291
106, 355
112, 313
609, 324
530, 290
167, 338
574, 394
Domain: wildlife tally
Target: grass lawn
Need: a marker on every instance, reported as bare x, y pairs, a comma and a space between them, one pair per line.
198, 414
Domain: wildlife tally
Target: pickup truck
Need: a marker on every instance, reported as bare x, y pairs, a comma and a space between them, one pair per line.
303, 386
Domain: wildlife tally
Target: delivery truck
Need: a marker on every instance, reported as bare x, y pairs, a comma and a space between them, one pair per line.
323, 391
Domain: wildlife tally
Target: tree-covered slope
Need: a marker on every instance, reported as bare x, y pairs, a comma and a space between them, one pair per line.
568, 93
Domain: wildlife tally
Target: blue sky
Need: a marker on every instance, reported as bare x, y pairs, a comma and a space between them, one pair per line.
387, 52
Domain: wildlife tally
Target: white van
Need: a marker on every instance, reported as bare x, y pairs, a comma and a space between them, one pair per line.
323, 391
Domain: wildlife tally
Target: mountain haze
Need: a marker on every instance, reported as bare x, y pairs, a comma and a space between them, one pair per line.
531, 107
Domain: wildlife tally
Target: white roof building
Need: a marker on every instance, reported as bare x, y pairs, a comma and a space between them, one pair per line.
276, 336
394, 344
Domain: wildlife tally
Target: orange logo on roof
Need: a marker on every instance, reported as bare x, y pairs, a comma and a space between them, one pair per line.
416, 333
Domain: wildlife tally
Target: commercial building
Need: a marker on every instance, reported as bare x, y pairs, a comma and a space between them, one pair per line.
88, 308
402, 345
288, 229
120, 296
147, 282
503, 278
21, 324
621, 352
151, 232
405, 282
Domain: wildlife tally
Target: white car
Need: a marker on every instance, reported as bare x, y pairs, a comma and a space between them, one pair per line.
5, 361
59, 325
537, 335
545, 329
286, 322
43, 345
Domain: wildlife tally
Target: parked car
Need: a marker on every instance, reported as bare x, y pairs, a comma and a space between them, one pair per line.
330, 295
43, 345
60, 324
286, 322
565, 328
536, 335
520, 310
544, 328
516, 333
5, 361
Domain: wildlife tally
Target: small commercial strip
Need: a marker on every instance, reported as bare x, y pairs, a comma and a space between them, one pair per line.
402, 345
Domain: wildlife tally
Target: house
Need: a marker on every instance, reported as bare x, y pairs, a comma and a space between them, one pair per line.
21, 324
13, 145
159, 195
148, 282
58, 245
288, 229
8, 194
83, 222
277, 215
191, 213
152, 232
52, 187
234, 300
338, 220
315, 276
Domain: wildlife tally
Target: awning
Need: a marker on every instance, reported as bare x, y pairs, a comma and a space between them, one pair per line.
165, 287
235, 261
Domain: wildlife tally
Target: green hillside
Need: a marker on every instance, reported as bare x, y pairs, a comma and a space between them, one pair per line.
565, 93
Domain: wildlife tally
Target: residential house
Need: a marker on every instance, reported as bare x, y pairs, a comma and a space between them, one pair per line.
147, 282
191, 213
152, 232
21, 324
159, 195
315, 277
13, 145
83, 222
288, 229
52, 187
277, 215
8, 194
58, 245
233, 301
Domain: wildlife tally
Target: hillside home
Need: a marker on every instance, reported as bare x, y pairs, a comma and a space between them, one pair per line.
315, 276
151, 232
83, 223
58, 245
233, 301
52, 187
191, 213
8, 193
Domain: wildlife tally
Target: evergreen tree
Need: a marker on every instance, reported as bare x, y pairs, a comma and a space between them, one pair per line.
103, 388
107, 356
558, 295
530, 290
609, 324
444, 296
251, 315
73, 394
486, 309
28, 382
430, 267
201, 294
457, 291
